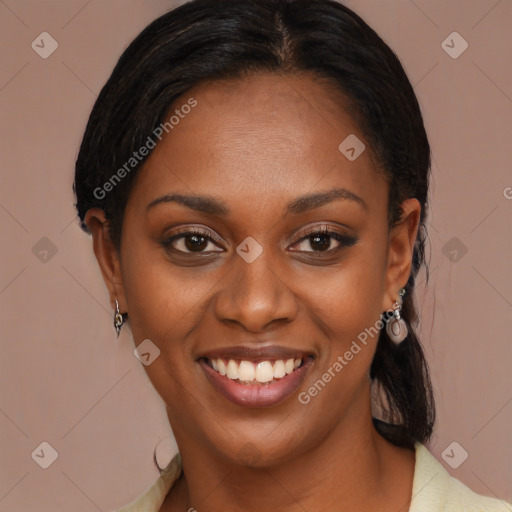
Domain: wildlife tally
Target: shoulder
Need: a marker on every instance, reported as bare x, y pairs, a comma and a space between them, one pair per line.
152, 499
434, 489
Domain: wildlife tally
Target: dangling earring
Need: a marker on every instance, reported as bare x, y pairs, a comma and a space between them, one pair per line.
396, 328
118, 319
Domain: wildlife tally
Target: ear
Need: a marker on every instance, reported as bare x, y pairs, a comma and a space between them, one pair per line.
107, 256
400, 251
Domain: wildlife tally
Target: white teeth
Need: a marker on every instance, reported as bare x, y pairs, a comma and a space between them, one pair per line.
232, 370
262, 372
279, 370
222, 366
246, 371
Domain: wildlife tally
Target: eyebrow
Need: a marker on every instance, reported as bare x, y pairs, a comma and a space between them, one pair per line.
302, 204
309, 202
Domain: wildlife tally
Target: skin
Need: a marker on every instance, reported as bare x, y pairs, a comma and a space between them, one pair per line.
256, 144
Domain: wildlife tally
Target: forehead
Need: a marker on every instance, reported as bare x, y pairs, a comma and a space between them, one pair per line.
266, 135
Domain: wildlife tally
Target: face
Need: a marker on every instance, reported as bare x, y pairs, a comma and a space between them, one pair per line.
252, 246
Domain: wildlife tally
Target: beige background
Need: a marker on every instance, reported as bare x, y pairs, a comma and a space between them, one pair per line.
65, 380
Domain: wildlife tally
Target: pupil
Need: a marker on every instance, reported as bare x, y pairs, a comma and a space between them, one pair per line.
195, 242
320, 242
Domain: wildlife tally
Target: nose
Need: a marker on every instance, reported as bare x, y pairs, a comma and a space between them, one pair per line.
254, 296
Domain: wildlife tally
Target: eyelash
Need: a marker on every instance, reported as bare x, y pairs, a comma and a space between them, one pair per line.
344, 240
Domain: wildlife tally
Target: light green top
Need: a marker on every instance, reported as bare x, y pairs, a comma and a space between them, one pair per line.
433, 490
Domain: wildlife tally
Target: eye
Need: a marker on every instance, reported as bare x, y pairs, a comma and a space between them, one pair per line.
321, 239
192, 241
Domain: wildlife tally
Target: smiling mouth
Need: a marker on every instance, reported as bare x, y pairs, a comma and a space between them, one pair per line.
255, 373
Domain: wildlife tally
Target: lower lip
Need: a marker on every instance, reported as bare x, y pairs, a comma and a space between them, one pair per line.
257, 395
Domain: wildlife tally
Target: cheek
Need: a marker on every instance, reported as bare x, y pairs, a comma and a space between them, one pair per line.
350, 315
348, 298
165, 304
163, 300
345, 303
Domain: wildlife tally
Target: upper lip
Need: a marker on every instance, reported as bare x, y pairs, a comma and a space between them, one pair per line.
266, 352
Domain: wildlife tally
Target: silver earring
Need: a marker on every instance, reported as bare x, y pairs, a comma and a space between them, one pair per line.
118, 319
396, 328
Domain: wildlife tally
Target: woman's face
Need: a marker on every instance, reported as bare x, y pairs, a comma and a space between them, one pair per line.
258, 164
